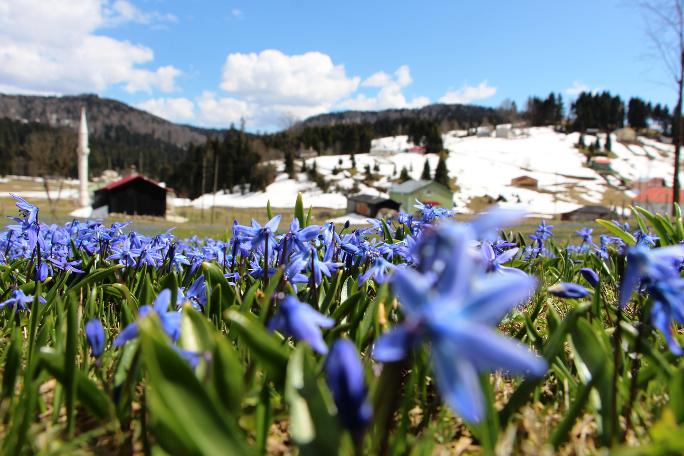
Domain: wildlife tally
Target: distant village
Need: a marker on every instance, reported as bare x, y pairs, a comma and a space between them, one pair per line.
135, 194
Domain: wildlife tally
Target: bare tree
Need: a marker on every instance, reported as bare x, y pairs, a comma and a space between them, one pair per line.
665, 29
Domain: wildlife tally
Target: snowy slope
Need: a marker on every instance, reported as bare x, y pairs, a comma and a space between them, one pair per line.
481, 166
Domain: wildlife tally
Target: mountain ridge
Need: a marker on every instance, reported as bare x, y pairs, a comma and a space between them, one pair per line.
104, 114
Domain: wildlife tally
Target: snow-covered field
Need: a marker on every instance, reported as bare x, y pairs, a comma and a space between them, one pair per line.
482, 167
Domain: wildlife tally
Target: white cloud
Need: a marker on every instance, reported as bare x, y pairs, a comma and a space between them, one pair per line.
55, 48
379, 79
467, 94
578, 87
236, 13
222, 111
173, 109
389, 95
273, 90
271, 77
122, 11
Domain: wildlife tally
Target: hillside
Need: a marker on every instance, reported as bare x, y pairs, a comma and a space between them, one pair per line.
482, 169
463, 115
104, 116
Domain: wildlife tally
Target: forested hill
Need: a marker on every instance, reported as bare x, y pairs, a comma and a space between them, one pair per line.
105, 116
457, 115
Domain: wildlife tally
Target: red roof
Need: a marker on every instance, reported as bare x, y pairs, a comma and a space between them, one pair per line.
657, 195
127, 179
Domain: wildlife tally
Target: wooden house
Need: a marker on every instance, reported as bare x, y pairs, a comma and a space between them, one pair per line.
525, 182
588, 214
369, 205
425, 191
133, 195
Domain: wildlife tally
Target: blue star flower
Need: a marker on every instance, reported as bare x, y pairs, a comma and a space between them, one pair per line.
568, 290
95, 335
344, 375
302, 322
170, 321
454, 308
18, 300
651, 265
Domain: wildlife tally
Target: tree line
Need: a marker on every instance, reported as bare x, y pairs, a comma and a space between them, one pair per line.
234, 160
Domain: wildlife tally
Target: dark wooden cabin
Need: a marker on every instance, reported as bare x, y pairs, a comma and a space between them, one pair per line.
369, 206
589, 214
133, 195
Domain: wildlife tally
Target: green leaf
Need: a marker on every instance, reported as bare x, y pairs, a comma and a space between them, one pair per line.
552, 349
70, 366
181, 410
214, 276
269, 212
86, 391
617, 231
308, 216
12, 366
595, 367
94, 277
659, 223
196, 332
226, 375
312, 424
299, 211
386, 232
676, 391
261, 344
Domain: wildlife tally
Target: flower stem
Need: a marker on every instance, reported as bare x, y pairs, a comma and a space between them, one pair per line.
641, 333
616, 369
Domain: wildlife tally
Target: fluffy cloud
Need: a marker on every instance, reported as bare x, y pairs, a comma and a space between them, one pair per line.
173, 109
271, 77
54, 48
467, 94
222, 111
273, 90
389, 95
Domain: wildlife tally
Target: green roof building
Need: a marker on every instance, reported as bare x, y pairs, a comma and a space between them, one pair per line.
425, 191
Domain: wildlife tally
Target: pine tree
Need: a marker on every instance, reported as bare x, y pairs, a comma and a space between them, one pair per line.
289, 165
303, 169
581, 144
426, 171
609, 142
441, 172
404, 176
353, 161
597, 145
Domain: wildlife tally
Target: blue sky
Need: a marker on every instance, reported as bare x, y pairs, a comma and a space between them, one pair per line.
272, 62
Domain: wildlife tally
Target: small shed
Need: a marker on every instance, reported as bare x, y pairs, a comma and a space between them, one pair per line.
589, 213
525, 182
133, 195
504, 131
601, 164
369, 205
425, 191
484, 131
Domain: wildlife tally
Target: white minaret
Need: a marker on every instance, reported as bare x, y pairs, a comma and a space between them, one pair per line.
83, 152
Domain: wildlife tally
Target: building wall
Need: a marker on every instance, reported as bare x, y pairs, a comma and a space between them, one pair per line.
137, 198
433, 193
